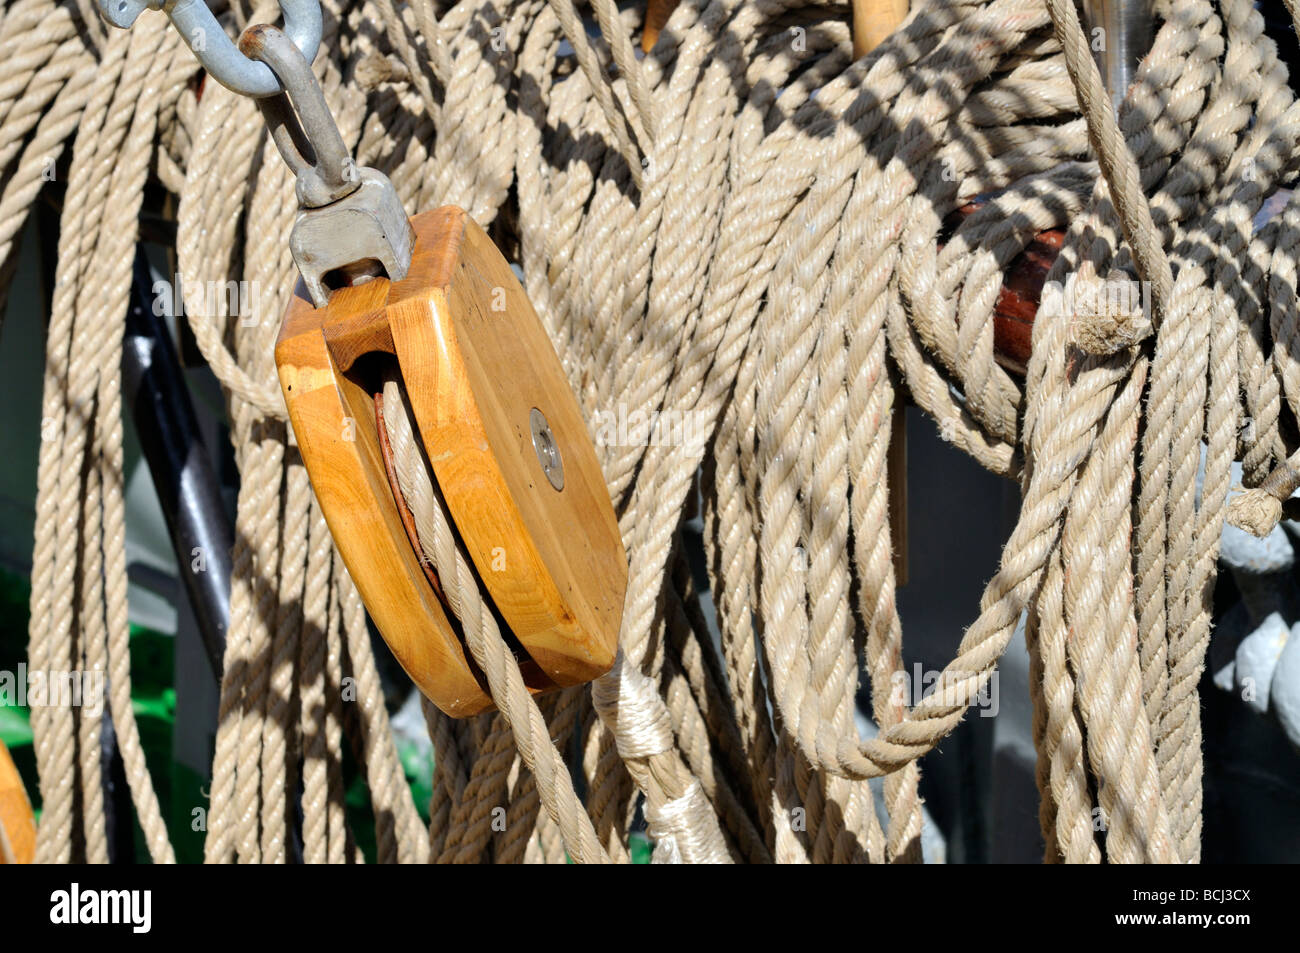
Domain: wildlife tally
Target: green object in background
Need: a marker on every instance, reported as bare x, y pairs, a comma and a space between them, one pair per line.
640, 848
15, 728
419, 775
152, 698
181, 791
15, 731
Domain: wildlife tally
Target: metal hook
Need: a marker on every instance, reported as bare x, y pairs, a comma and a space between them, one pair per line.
301, 123
209, 43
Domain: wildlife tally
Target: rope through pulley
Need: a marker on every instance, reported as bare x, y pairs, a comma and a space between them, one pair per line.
752, 230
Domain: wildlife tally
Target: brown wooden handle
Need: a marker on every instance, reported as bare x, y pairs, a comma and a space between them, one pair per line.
1022, 288
657, 13
873, 20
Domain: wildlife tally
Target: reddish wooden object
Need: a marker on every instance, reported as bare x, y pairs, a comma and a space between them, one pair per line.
1022, 287
1013, 316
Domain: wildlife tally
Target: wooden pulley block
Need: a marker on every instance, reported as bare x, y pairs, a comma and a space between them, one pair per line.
17, 822
508, 451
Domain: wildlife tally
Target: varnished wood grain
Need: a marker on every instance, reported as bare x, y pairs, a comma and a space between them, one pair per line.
17, 823
333, 419
354, 337
476, 360
551, 561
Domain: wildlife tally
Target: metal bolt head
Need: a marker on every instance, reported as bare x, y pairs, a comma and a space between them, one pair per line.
547, 450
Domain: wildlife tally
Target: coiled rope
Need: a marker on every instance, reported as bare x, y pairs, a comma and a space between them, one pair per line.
745, 229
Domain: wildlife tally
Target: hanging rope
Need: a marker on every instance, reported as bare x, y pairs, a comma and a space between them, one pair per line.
749, 230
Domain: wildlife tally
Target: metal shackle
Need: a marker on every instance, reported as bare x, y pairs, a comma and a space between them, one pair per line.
214, 50
300, 121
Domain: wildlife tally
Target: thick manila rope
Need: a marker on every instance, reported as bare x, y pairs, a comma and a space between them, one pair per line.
438, 542
680, 347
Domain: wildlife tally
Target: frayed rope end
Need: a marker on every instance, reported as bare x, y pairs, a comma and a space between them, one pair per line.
1109, 315
1255, 511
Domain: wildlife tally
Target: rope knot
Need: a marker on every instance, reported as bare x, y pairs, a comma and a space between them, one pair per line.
1107, 316
376, 68
1258, 510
